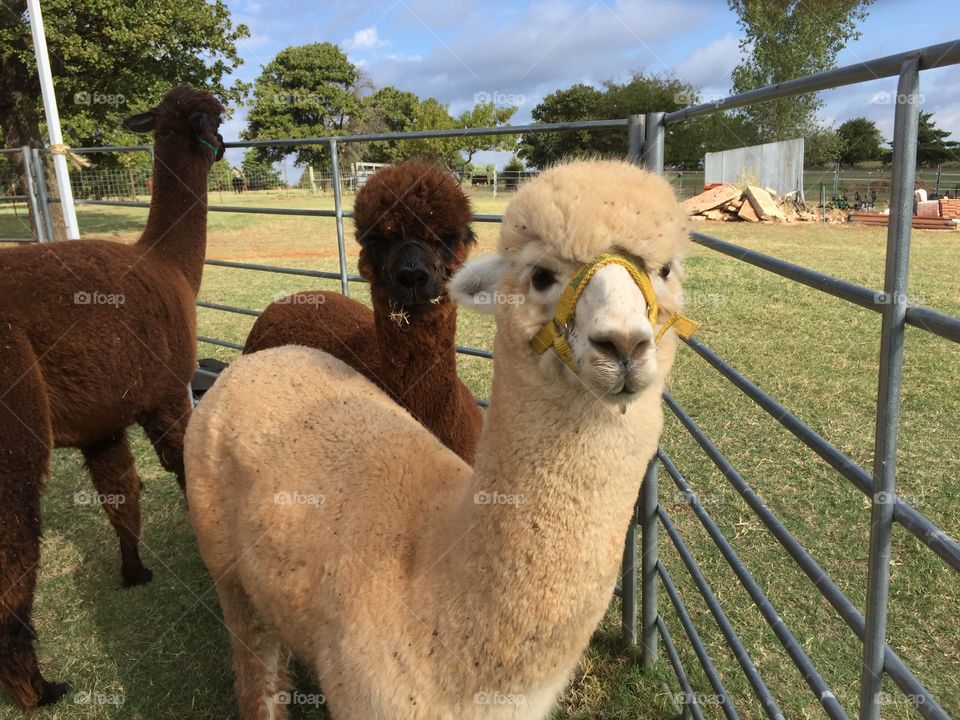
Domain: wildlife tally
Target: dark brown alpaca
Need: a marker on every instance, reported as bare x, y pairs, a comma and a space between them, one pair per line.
413, 226
96, 336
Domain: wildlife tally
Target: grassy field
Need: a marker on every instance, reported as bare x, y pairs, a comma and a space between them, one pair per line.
162, 649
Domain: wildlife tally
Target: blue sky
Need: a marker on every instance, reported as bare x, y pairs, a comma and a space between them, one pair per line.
517, 52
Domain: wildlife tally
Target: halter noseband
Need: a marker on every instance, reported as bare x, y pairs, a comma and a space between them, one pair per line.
550, 335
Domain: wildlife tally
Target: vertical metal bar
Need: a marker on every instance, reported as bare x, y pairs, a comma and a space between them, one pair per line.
338, 207
653, 147
888, 393
628, 584
42, 192
31, 190
649, 556
628, 568
635, 136
646, 144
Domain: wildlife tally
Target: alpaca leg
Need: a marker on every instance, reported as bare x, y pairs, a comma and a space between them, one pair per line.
260, 660
165, 427
25, 445
115, 477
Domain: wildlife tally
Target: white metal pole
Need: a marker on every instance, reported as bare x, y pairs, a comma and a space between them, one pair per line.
53, 119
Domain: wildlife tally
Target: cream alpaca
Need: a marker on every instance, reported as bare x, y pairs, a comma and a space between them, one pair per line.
338, 528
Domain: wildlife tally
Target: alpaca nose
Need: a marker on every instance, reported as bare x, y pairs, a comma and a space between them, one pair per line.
412, 277
623, 345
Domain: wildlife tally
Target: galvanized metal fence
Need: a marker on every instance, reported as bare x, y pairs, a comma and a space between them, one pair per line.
645, 579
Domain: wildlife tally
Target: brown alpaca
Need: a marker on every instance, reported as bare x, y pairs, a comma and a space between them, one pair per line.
413, 226
96, 336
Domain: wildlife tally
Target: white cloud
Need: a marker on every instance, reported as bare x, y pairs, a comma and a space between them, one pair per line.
365, 39
710, 66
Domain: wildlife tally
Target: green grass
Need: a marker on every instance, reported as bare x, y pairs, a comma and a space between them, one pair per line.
164, 648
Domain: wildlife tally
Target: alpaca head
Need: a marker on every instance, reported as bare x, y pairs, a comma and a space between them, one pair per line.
413, 226
192, 115
557, 225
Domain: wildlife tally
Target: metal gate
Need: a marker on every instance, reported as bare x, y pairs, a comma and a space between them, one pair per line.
646, 135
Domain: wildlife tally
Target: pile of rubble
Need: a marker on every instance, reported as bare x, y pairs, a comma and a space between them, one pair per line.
750, 204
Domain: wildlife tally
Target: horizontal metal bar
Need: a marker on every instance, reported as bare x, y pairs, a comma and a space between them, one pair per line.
833, 286
899, 672
17, 240
938, 323
228, 308
918, 316
320, 274
800, 659
941, 55
225, 208
475, 352
6, 151
690, 697
698, 647
457, 132
912, 520
108, 148
488, 218
221, 343
730, 635
13, 197
207, 373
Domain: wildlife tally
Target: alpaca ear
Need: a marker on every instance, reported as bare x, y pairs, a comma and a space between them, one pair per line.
476, 283
140, 123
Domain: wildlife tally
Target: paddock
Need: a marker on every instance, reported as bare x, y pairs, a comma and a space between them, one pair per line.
772, 625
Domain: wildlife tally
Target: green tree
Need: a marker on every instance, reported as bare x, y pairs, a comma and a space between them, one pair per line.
431, 114
685, 142
387, 110
486, 114
933, 147
111, 58
259, 173
305, 91
860, 141
821, 148
786, 39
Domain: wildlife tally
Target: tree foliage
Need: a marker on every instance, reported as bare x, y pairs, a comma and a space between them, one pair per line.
111, 58
486, 114
305, 91
821, 148
860, 140
685, 142
786, 39
933, 147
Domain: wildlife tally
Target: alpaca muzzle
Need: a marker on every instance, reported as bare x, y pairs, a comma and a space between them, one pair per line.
552, 336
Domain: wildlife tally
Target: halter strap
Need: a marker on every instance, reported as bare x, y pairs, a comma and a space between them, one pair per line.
550, 336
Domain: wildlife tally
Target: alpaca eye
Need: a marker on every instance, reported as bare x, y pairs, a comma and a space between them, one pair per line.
542, 278
665, 271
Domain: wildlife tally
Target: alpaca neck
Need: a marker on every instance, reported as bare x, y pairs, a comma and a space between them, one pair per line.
418, 360
177, 224
533, 548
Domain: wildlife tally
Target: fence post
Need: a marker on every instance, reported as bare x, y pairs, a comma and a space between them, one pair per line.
893, 324
652, 158
338, 207
32, 194
628, 567
41, 182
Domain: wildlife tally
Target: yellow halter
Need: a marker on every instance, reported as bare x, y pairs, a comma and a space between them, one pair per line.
549, 336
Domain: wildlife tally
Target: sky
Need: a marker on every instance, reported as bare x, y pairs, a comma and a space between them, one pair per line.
515, 53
